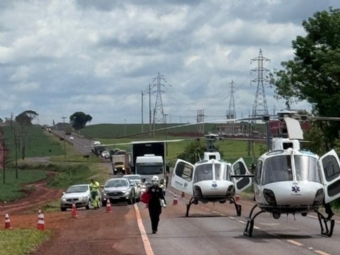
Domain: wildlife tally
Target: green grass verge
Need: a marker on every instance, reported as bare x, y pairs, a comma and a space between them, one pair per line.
21, 241
13, 188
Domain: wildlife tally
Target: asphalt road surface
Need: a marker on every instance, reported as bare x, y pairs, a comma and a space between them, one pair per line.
214, 229
81, 144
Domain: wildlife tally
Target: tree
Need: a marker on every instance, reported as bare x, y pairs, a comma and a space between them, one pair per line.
78, 120
192, 151
314, 73
25, 118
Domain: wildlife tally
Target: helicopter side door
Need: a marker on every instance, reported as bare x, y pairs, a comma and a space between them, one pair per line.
240, 168
182, 177
330, 170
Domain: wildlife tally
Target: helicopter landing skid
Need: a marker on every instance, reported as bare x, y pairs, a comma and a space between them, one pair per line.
324, 225
191, 201
248, 231
237, 206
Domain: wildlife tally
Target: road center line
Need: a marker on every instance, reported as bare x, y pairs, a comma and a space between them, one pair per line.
322, 253
295, 242
145, 239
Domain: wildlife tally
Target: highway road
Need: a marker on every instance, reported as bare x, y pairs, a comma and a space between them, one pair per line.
214, 229
81, 144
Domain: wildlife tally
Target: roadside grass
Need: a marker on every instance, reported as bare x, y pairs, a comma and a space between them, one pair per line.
21, 241
13, 188
110, 131
37, 142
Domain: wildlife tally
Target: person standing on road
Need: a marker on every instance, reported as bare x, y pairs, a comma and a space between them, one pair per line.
94, 188
155, 203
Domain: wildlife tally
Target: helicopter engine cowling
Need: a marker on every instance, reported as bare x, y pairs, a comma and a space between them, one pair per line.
214, 190
294, 194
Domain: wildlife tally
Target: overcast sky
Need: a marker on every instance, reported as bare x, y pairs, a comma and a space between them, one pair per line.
58, 57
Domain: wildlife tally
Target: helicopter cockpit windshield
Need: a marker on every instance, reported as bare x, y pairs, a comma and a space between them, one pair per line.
205, 172
279, 169
307, 168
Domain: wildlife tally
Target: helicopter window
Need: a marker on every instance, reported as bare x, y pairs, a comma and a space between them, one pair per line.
331, 167
277, 169
184, 171
258, 171
203, 173
306, 168
220, 172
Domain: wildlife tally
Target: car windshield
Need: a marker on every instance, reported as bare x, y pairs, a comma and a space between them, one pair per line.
77, 189
306, 168
150, 169
133, 177
116, 183
277, 169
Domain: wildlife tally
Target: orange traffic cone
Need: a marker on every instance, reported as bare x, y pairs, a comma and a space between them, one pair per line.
182, 195
108, 206
7, 222
175, 201
74, 211
237, 197
41, 221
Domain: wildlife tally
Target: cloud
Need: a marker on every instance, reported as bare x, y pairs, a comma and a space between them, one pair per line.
62, 56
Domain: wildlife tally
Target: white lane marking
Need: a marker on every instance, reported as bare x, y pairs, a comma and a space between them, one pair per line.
322, 252
312, 216
256, 227
232, 218
295, 242
241, 221
145, 239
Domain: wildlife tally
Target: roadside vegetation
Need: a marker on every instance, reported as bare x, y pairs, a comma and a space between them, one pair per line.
21, 241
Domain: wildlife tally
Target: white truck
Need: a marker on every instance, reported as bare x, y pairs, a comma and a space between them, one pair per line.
148, 159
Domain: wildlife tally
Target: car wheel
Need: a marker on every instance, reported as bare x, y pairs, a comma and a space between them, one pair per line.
131, 199
88, 206
63, 209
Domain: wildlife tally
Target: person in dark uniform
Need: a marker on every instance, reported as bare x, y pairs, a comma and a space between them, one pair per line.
155, 203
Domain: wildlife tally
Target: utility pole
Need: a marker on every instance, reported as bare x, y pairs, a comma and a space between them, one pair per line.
150, 126
16, 152
64, 136
166, 134
142, 112
4, 150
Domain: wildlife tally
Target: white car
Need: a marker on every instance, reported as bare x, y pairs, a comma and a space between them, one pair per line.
79, 195
137, 179
71, 138
105, 154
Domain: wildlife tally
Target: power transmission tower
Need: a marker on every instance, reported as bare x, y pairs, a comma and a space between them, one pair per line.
142, 111
200, 119
158, 113
231, 114
260, 107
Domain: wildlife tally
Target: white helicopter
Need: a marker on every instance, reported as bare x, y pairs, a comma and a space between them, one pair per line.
288, 180
211, 179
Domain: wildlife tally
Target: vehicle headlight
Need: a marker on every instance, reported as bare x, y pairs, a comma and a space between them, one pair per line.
63, 199
82, 198
127, 192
